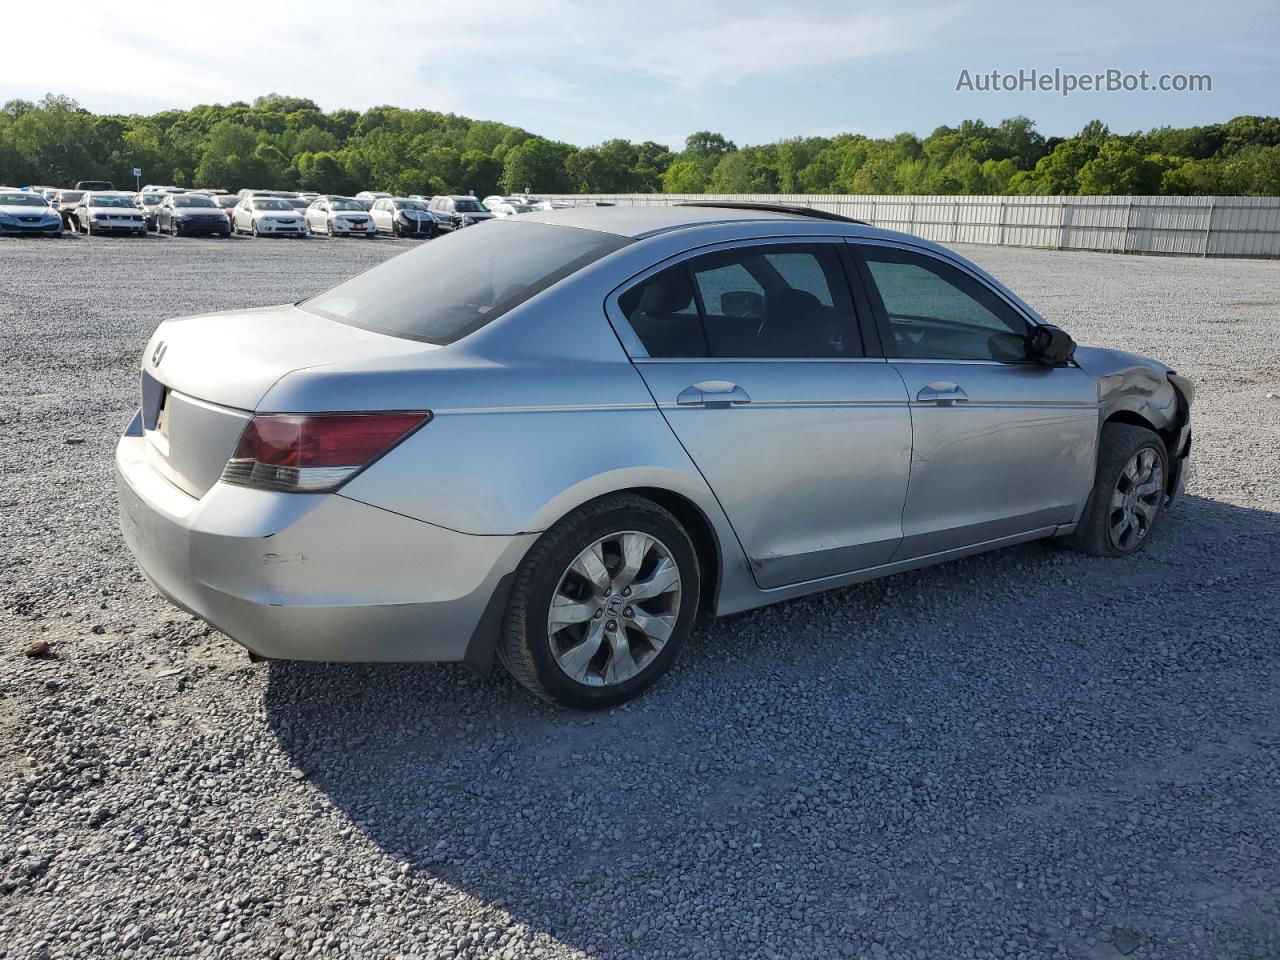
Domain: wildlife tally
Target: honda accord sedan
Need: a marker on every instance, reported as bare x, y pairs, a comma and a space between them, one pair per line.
562, 439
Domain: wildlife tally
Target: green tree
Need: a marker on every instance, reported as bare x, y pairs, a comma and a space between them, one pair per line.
538, 165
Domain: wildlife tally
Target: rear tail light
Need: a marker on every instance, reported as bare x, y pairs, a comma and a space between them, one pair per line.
314, 453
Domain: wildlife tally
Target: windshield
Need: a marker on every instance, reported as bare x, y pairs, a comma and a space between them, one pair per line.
453, 286
522, 207
22, 200
410, 205
228, 201
70, 196
151, 199
345, 205
298, 203
190, 200
470, 206
266, 203
110, 201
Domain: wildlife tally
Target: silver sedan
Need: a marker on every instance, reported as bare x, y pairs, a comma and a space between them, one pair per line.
562, 438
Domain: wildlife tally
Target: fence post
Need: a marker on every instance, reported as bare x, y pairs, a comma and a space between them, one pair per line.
1128, 219
1208, 226
911, 216
1062, 222
955, 220
1004, 206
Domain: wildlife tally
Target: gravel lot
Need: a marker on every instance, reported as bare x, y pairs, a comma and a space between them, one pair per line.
1027, 754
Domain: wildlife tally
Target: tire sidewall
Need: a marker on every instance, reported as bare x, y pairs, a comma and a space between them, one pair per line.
1154, 443
546, 578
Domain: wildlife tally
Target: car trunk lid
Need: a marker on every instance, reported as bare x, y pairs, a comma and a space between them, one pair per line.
203, 377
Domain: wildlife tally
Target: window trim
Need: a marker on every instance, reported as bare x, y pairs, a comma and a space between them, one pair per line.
864, 320
872, 294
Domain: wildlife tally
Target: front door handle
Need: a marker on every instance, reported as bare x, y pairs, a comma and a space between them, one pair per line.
941, 392
712, 393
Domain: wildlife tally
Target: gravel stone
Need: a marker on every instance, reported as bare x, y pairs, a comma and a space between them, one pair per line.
1028, 754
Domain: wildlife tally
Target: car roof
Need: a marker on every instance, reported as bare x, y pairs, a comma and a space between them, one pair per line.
645, 221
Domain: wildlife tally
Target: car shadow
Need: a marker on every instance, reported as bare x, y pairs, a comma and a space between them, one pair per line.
812, 774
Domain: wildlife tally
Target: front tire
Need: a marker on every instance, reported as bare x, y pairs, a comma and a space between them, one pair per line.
1128, 492
602, 604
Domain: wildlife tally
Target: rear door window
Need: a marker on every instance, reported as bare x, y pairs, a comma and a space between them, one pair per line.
755, 301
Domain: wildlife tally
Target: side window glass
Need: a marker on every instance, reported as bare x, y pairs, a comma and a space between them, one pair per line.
937, 312
664, 315
777, 302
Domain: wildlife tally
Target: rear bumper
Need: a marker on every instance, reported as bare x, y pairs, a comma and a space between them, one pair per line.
311, 576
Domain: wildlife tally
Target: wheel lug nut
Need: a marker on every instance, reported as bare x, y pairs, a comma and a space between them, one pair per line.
599, 613
629, 612
611, 625
626, 591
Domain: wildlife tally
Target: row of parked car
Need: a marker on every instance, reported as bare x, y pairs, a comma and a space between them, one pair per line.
96, 207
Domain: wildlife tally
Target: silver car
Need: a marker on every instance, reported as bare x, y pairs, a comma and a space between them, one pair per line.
562, 438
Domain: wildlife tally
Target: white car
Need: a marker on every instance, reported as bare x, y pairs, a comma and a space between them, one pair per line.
511, 209
368, 197
339, 217
23, 212
109, 211
492, 201
268, 217
402, 217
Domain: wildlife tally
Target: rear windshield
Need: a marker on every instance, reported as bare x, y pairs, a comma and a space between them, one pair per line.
454, 285
470, 206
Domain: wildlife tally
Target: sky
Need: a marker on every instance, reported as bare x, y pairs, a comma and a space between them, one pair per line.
589, 71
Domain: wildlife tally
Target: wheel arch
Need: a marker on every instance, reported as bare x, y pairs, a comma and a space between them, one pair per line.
1135, 418
705, 541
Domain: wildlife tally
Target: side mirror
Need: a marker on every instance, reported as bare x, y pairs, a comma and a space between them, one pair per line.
1050, 345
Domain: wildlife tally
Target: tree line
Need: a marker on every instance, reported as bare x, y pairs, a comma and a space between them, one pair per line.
289, 142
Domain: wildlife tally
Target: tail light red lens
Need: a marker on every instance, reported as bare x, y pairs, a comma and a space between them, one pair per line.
315, 453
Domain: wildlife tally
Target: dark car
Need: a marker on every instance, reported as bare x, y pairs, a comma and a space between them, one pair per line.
187, 214
226, 202
450, 213
65, 201
94, 185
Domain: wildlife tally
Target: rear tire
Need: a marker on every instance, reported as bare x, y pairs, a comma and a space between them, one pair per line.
1128, 493
630, 651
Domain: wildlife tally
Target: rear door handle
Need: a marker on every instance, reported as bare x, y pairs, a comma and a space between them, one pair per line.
712, 393
941, 392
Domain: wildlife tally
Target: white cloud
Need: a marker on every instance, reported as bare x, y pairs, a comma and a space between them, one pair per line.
411, 53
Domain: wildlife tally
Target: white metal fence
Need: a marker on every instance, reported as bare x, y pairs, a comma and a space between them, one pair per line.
1194, 226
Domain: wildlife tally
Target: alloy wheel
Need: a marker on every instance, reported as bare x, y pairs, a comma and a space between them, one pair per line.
1136, 499
614, 609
